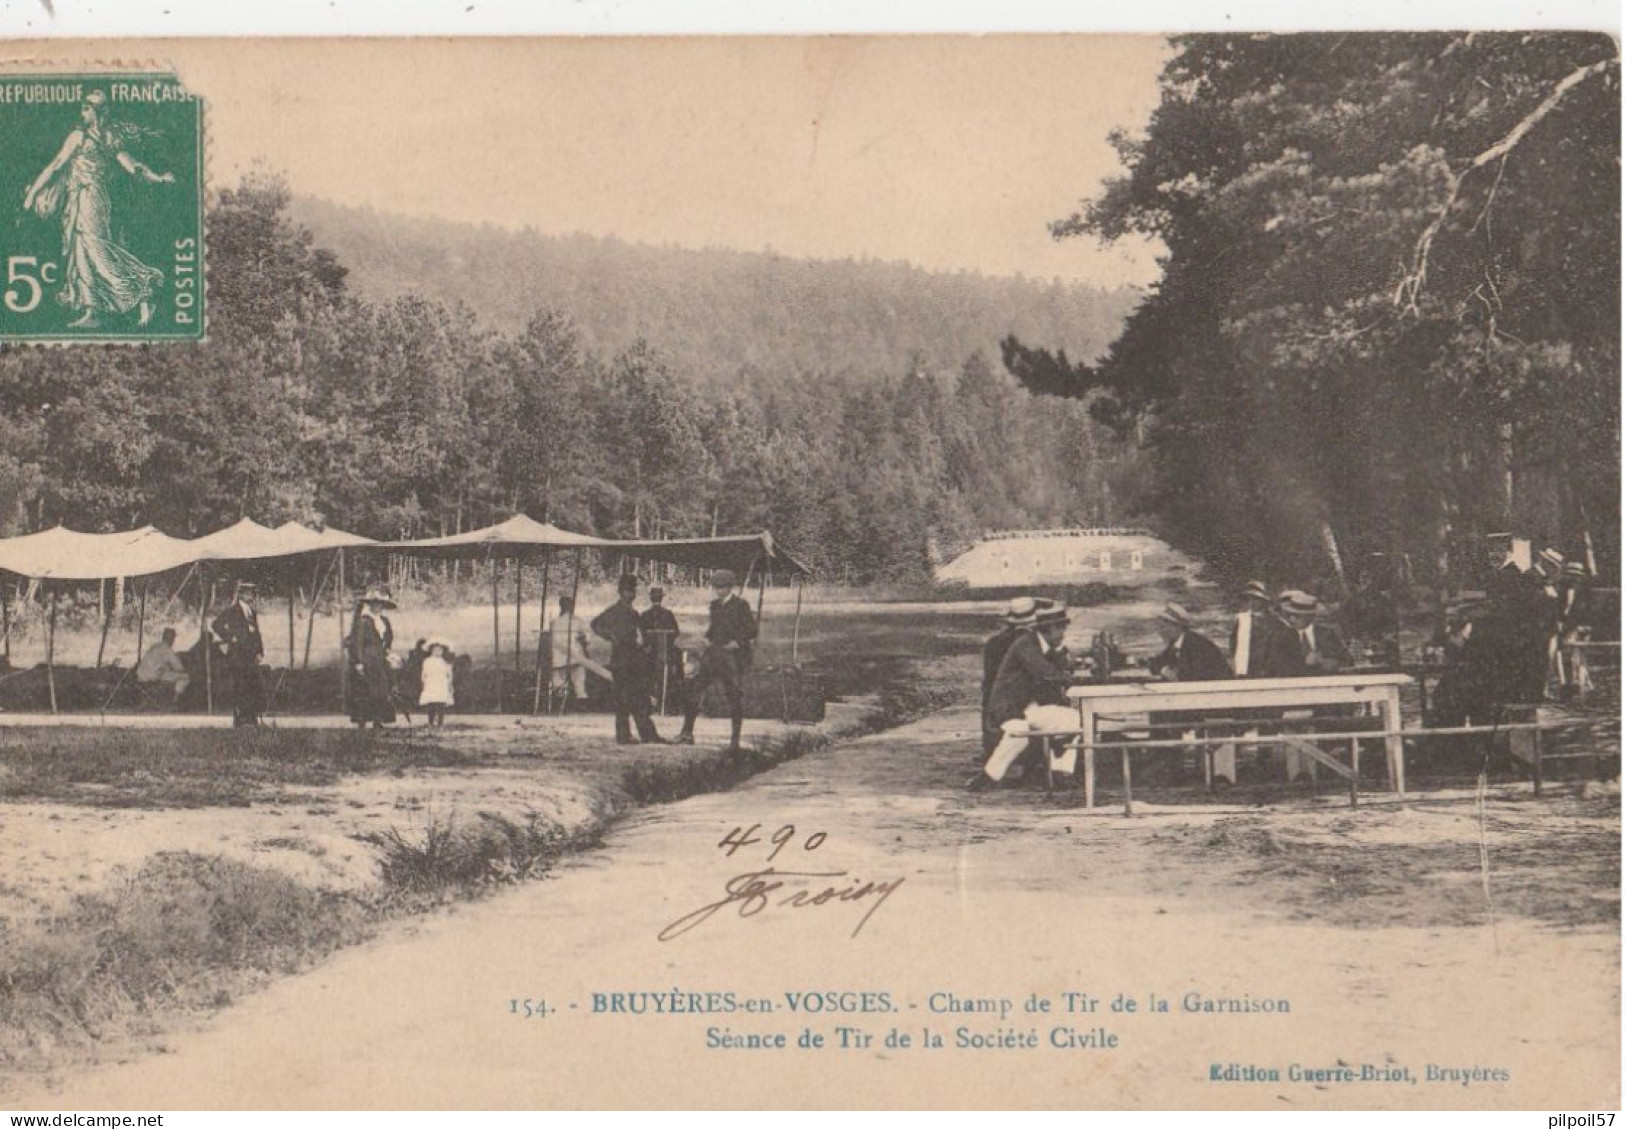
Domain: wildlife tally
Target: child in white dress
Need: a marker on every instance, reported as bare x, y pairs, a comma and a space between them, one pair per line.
437, 692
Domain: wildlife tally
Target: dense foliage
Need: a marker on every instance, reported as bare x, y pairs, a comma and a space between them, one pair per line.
1389, 316
409, 417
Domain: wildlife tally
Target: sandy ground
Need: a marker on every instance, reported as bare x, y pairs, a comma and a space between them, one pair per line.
992, 898
54, 851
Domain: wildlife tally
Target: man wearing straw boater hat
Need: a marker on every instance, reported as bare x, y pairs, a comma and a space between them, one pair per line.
1303, 646
629, 665
728, 639
1020, 615
1029, 695
238, 628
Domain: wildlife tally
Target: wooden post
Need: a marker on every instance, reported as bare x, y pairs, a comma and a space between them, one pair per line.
1354, 778
1086, 722
292, 589
1393, 741
518, 605
496, 630
541, 636
50, 651
795, 627
340, 594
1540, 775
1128, 786
107, 620
206, 601
5, 613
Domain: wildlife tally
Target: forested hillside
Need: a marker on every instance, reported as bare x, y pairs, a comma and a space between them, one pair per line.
714, 312
405, 415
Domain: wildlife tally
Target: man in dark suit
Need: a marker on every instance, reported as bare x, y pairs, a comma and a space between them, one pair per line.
1302, 647
660, 637
1187, 655
1249, 635
628, 665
1022, 614
728, 637
1029, 694
238, 629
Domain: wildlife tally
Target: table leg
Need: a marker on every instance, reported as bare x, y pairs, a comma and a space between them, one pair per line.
1086, 724
1128, 786
1354, 767
1393, 740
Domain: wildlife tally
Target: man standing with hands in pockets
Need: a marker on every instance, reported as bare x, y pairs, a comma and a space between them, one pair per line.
729, 637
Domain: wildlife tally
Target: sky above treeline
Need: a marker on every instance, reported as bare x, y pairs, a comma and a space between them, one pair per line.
948, 152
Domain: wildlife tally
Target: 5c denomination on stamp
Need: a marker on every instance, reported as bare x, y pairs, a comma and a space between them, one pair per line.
101, 208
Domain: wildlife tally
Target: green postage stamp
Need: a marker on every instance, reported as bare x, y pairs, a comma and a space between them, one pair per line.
101, 198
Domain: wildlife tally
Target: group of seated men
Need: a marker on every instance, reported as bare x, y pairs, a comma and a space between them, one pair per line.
1026, 668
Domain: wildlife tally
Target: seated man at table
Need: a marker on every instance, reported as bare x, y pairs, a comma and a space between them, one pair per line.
1303, 647
1187, 655
1021, 615
162, 665
1029, 693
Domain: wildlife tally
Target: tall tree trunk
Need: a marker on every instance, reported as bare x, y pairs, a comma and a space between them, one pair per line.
1328, 541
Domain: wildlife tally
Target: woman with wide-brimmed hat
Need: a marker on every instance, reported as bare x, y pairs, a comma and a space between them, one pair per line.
371, 636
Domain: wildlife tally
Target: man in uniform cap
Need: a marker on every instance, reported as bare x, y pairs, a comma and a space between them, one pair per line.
628, 665
1029, 694
238, 629
1253, 622
1021, 614
728, 637
660, 636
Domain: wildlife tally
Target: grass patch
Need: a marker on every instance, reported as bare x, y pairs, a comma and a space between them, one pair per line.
186, 768
448, 858
185, 931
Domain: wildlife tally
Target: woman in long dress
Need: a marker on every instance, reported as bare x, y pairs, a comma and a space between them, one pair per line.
371, 636
98, 275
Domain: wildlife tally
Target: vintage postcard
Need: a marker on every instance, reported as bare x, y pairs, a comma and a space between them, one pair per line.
1044, 571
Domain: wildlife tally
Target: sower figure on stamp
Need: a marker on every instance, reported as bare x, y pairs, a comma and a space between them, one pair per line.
238, 628
629, 666
98, 274
729, 636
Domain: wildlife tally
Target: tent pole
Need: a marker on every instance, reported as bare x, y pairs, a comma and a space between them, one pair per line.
205, 600
570, 639
541, 636
50, 652
518, 605
318, 583
795, 627
107, 620
292, 589
339, 595
5, 613
496, 631
141, 621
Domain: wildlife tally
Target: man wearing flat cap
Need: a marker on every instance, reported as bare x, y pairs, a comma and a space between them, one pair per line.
728, 639
628, 665
1188, 655
1021, 614
238, 629
1029, 695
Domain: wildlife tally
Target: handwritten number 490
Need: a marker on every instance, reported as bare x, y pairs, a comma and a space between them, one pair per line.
746, 836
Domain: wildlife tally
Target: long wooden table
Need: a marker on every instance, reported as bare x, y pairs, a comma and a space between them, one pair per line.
1229, 698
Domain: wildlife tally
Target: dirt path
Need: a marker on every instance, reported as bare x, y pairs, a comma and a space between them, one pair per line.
1001, 897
